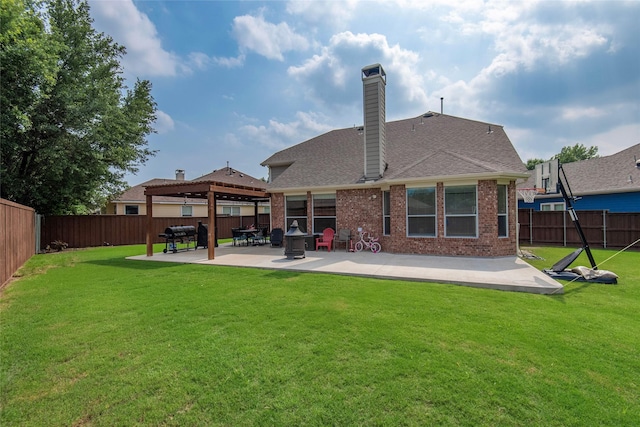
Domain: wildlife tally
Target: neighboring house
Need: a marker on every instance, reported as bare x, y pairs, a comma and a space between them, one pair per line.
431, 184
603, 183
133, 202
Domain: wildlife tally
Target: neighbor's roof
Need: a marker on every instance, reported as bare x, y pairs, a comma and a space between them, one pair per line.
430, 146
616, 173
226, 175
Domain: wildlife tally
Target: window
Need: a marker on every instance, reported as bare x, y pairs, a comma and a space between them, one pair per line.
421, 212
231, 210
460, 210
503, 228
386, 213
324, 212
553, 206
296, 209
266, 209
187, 210
131, 209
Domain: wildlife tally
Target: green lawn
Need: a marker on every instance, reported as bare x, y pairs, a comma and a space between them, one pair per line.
89, 338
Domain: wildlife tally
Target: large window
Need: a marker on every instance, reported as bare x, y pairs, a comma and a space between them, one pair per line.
460, 210
386, 212
296, 209
324, 212
421, 212
503, 228
187, 210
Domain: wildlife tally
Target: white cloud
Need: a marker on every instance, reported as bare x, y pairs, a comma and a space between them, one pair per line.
334, 66
255, 34
231, 62
577, 113
164, 123
133, 29
615, 139
278, 135
323, 13
202, 61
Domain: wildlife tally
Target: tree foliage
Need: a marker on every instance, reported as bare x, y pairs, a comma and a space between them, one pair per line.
578, 152
568, 154
70, 128
531, 163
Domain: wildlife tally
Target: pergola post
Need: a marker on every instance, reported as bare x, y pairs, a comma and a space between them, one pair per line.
256, 218
149, 225
211, 212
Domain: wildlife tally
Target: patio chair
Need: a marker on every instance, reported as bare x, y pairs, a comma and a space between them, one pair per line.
257, 238
277, 235
238, 237
326, 239
343, 236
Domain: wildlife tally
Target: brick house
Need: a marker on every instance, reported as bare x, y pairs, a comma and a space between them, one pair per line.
431, 184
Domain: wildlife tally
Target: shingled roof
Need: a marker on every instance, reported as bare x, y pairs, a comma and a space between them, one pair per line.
226, 175
616, 173
430, 146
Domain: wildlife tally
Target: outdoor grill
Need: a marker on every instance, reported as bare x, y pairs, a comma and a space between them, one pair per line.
294, 242
179, 234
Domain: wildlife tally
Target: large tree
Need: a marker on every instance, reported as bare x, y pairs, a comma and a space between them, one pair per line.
568, 154
70, 128
575, 153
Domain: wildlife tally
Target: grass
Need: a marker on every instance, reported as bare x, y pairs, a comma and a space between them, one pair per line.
89, 338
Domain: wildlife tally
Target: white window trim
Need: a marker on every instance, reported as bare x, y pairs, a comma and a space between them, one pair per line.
313, 215
182, 211
434, 216
386, 215
287, 217
506, 214
475, 213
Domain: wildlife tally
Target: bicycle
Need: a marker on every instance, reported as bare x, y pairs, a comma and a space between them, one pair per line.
368, 243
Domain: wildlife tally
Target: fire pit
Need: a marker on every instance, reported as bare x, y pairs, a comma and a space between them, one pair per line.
295, 242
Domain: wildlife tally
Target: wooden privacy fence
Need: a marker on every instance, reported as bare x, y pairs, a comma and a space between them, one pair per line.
83, 231
17, 237
601, 228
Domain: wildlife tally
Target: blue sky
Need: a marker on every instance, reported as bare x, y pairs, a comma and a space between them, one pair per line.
237, 81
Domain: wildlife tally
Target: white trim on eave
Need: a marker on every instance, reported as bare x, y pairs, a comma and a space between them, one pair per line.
386, 183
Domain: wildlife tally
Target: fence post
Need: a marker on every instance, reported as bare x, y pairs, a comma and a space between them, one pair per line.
604, 228
531, 227
564, 228
38, 231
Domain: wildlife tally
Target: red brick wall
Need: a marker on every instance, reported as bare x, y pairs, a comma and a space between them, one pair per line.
277, 211
363, 208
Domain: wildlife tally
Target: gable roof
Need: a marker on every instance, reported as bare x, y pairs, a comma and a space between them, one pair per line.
225, 175
430, 146
231, 176
616, 173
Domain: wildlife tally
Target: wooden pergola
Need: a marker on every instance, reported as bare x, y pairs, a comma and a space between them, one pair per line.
210, 190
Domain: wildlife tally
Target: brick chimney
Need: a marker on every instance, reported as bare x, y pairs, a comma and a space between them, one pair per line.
179, 174
374, 80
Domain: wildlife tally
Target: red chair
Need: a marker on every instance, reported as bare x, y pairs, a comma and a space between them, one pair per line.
326, 239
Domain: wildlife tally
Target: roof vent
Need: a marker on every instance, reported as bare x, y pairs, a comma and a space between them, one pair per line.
427, 115
179, 174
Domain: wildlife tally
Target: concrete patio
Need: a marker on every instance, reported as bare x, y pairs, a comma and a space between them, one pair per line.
502, 273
